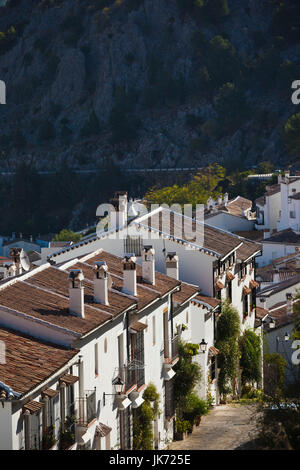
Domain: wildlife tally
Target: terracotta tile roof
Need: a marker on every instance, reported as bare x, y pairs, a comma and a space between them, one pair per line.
260, 312
69, 379
270, 190
254, 235
260, 201
219, 285
49, 392
29, 361
187, 291
215, 240
138, 326
33, 406
284, 236
146, 292
49, 306
102, 430
247, 249
279, 312
235, 206
274, 288
212, 301
213, 351
246, 290
229, 276
253, 284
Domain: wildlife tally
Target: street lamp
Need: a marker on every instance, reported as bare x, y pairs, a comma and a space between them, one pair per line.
203, 346
118, 387
286, 337
272, 323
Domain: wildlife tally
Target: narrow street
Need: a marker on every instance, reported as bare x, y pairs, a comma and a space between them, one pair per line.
226, 427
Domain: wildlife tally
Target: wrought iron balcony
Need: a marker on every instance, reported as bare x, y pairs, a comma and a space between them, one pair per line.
133, 374
87, 410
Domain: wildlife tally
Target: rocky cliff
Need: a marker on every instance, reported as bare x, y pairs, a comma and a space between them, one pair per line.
145, 83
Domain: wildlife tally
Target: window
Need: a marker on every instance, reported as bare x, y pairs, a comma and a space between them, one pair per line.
187, 317
153, 331
105, 345
96, 358
292, 215
133, 244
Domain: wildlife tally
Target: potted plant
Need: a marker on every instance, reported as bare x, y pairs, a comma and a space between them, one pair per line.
48, 439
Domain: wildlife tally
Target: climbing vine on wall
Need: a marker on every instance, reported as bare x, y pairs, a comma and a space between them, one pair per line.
143, 419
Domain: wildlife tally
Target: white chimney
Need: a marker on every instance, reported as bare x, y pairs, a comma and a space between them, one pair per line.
209, 203
148, 264
172, 265
101, 282
276, 277
266, 233
15, 255
129, 273
289, 303
225, 198
219, 200
76, 292
10, 269
262, 302
119, 215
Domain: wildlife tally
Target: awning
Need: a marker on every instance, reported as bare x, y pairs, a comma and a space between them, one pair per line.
219, 285
213, 351
137, 326
229, 276
102, 430
50, 393
68, 379
33, 406
253, 284
123, 402
246, 290
85, 438
168, 374
137, 402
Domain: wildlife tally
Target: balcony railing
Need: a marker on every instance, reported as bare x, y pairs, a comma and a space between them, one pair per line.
133, 374
87, 408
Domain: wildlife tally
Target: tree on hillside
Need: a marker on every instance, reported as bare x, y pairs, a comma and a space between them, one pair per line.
67, 236
292, 134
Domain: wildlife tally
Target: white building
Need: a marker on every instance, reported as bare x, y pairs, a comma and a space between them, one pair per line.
104, 320
232, 215
268, 209
290, 202
278, 245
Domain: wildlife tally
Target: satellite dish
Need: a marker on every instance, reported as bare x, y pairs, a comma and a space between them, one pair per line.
24, 260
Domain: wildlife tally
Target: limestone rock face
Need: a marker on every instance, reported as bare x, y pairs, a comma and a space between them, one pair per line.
123, 81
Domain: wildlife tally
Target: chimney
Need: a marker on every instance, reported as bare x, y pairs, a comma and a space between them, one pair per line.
76, 292
101, 282
15, 255
119, 215
289, 303
172, 265
225, 198
129, 273
262, 302
276, 277
10, 269
148, 264
219, 200
266, 233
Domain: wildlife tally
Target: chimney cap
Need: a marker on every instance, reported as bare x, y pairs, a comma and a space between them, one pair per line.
172, 256
76, 274
100, 265
148, 248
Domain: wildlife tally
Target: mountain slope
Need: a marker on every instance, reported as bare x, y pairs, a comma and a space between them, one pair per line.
146, 82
